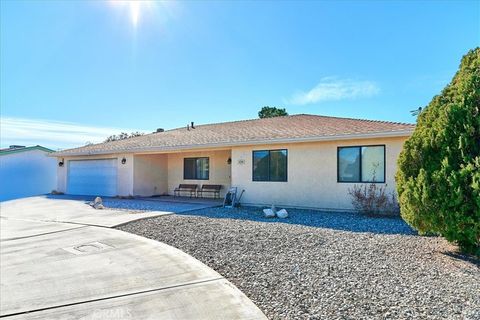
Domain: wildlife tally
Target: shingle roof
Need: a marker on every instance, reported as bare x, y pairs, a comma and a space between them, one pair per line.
294, 128
15, 149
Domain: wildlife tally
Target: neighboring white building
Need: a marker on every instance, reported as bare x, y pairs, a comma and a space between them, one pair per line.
26, 171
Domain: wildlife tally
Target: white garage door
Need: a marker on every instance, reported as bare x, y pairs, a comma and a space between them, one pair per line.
92, 177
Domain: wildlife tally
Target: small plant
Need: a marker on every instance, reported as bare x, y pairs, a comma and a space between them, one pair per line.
373, 199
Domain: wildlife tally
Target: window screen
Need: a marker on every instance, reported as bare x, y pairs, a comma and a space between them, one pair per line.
361, 164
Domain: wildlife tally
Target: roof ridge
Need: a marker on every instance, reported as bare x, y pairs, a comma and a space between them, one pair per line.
358, 119
288, 116
235, 121
294, 126
260, 119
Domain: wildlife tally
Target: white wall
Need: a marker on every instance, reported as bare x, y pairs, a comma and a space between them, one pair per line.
26, 173
312, 174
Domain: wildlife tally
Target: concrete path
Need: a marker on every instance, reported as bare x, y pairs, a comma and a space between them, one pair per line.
11, 229
52, 270
62, 209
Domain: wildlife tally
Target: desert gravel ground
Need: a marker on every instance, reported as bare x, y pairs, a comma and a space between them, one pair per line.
318, 265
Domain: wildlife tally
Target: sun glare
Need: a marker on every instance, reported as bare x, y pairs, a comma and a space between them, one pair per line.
135, 8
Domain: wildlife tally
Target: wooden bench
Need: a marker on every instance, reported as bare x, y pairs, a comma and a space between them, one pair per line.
213, 189
191, 188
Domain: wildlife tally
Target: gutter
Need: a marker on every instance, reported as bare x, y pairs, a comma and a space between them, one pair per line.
383, 134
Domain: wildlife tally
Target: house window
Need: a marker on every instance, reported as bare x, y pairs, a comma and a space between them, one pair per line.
196, 169
270, 165
361, 164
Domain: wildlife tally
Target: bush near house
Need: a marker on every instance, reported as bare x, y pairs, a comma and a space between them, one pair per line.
373, 199
438, 178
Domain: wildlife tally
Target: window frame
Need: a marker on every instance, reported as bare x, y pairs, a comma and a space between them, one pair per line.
269, 178
360, 165
195, 171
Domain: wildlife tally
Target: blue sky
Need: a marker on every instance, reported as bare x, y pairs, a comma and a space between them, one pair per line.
77, 71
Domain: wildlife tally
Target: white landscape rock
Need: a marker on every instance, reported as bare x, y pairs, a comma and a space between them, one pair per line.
269, 213
282, 214
98, 203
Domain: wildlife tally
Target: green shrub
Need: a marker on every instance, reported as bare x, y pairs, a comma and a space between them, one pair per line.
438, 179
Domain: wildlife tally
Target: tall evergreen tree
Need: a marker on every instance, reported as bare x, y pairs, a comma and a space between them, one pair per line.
438, 179
270, 112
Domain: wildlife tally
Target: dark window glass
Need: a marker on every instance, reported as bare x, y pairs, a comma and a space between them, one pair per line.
260, 165
196, 168
202, 170
361, 164
188, 168
270, 165
349, 164
278, 165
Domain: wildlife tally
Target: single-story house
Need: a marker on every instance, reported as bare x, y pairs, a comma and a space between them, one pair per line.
299, 160
26, 171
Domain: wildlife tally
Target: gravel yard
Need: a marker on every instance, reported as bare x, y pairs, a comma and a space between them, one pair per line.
139, 205
317, 265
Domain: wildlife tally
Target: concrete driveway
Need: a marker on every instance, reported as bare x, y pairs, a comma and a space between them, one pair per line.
75, 210
65, 270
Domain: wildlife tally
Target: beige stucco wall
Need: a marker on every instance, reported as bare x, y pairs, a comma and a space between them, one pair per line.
150, 174
219, 169
312, 174
124, 172
146, 175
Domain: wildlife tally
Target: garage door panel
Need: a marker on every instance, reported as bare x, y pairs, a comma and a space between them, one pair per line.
92, 177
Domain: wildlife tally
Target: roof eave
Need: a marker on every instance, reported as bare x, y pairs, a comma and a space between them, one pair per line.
372, 135
5, 152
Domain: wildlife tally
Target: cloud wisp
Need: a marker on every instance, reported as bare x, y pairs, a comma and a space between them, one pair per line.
334, 89
52, 134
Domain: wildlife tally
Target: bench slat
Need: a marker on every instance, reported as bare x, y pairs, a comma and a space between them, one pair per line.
187, 186
215, 187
